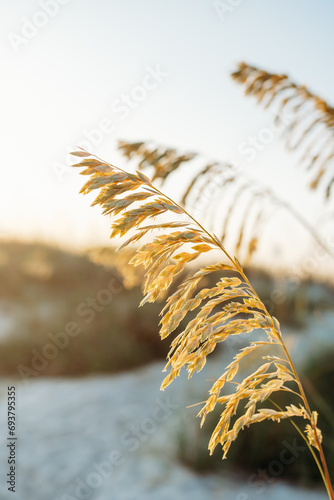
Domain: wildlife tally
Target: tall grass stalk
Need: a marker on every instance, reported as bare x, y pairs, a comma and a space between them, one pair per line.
231, 307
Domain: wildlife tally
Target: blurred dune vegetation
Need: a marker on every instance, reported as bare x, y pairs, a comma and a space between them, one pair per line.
41, 288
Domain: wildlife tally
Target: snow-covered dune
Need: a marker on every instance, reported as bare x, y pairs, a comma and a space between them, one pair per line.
113, 438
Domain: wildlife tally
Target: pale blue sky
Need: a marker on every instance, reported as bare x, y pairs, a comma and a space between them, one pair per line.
65, 79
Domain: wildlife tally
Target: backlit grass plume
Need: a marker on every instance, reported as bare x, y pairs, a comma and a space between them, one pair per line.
229, 308
219, 187
217, 176
311, 119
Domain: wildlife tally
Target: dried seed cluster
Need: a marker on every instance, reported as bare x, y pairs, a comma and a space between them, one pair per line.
219, 177
229, 308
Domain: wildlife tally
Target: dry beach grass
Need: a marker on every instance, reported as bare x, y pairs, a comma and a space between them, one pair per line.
230, 308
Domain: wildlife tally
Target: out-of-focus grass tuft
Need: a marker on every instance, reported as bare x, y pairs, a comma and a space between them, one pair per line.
41, 289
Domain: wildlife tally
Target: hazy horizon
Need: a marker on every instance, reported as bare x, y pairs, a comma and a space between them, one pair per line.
62, 88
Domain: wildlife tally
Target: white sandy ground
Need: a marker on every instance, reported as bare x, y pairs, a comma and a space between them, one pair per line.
67, 428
